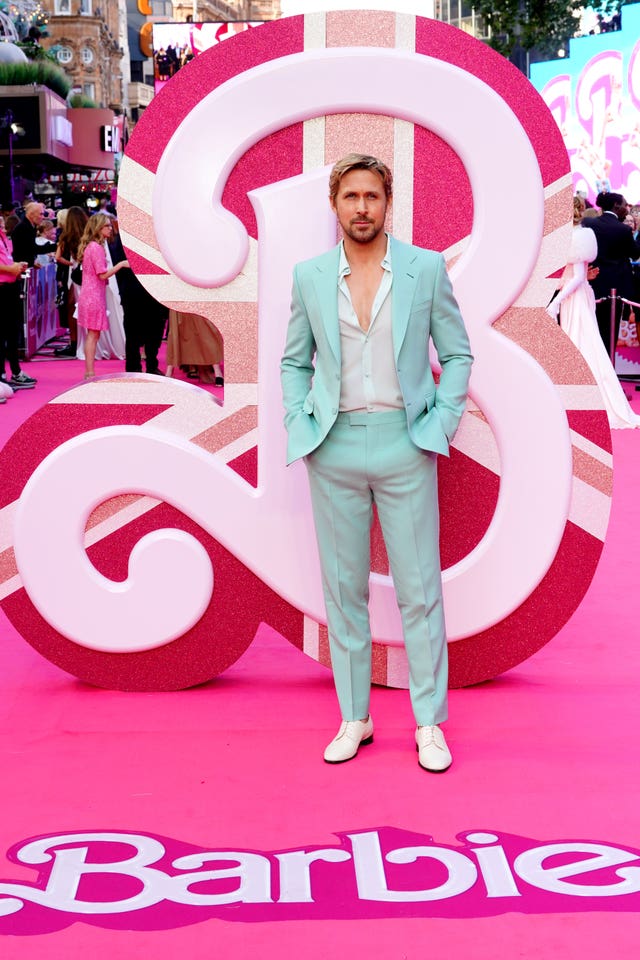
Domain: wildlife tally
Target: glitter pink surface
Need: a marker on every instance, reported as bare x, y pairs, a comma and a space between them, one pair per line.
238, 324
235, 763
143, 221
204, 73
437, 39
200, 770
469, 491
140, 265
350, 133
228, 430
360, 28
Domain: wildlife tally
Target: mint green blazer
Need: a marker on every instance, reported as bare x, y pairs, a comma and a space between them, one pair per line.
422, 306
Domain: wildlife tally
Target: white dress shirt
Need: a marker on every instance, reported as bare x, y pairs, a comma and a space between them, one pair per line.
369, 380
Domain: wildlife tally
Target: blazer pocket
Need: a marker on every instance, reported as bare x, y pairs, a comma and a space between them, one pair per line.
429, 401
307, 406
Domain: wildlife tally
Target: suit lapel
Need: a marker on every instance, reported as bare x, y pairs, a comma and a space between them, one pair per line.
405, 266
404, 263
325, 282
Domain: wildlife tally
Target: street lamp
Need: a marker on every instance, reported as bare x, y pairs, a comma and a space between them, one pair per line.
8, 122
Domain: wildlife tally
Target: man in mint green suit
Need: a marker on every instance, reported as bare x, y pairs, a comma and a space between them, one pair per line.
363, 410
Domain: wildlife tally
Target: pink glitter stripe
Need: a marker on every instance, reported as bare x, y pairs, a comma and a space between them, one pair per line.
8, 567
228, 430
360, 28
110, 507
558, 210
361, 133
591, 471
140, 265
238, 324
138, 223
539, 335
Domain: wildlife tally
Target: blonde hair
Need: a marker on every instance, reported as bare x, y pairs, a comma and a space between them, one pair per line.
92, 231
359, 161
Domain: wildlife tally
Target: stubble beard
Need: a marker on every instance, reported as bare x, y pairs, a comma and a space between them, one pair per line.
362, 235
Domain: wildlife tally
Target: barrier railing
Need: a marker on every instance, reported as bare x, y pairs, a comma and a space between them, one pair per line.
40, 312
613, 297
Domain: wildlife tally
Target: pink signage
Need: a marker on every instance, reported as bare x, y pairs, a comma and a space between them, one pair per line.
134, 881
210, 199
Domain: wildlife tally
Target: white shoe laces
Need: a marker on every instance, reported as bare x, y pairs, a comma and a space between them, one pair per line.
428, 737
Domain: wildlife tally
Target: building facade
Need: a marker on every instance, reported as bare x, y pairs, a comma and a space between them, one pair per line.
462, 15
89, 40
208, 10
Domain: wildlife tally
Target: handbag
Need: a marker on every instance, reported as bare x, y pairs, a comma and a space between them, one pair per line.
76, 274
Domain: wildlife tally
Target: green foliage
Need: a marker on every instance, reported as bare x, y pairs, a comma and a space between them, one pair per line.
35, 52
36, 71
79, 100
543, 24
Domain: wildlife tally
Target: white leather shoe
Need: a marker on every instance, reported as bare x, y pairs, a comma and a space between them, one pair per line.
5, 390
351, 735
433, 752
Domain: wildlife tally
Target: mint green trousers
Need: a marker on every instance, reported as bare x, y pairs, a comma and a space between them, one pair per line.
369, 458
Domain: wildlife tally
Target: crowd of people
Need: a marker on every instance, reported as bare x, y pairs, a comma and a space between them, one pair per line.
108, 313
168, 61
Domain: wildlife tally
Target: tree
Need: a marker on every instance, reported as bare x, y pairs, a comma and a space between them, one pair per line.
520, 26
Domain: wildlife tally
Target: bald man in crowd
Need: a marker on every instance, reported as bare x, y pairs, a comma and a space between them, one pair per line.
24, 234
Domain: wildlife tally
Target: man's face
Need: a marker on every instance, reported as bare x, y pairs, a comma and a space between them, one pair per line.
360, 205
36, 214
621, 209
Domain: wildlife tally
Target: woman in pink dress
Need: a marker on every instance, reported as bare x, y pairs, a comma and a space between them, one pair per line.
92, 302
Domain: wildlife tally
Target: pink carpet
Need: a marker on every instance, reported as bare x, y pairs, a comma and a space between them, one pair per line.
545, 754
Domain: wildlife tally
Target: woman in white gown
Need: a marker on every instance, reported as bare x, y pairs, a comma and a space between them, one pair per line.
576, 305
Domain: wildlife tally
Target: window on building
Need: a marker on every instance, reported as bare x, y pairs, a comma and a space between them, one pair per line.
461, 15
89, 90
85, 7
64, 54
87, 55
62, 7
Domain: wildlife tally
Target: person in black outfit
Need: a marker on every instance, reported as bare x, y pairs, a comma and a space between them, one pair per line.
25, 250
23, 236
144, 318
11, 273
616, 250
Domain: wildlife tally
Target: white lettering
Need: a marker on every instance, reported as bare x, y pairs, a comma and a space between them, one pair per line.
252, 871
295, 878
78, 870
494, 867
529, 866
372, 881
70, 866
